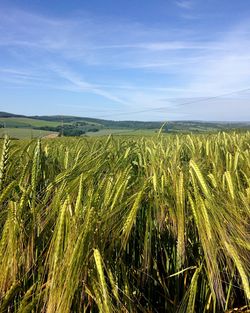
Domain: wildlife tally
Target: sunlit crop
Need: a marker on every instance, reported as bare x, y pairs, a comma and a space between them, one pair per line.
129, 224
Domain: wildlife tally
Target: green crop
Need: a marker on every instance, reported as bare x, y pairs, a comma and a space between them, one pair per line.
130, 224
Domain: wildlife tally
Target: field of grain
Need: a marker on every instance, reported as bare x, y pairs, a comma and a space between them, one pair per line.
26, 122
122, 132
24, 133
128, 224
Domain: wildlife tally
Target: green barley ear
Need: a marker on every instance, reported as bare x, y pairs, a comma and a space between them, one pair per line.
36, 166
114, 285
36, 172
104, 291
194, 167
243, 275
131, 217
7, 191
79, 197
66, 159
160, 130
180, 208
4, 161
193, 292
230, 184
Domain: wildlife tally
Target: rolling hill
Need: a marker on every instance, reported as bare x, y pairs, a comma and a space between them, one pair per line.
77, 126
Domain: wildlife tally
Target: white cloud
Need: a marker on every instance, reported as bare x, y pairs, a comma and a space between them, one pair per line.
81, 85
184, 4
129, 64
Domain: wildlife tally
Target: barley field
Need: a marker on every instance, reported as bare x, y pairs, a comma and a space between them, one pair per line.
125, 224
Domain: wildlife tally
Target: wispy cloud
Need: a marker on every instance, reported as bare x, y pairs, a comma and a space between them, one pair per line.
184, 4
128, 64
84, 86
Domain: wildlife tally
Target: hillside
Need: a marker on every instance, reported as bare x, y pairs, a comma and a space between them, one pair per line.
77, 126
6, 114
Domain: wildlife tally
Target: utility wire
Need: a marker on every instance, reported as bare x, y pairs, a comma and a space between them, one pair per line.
183, 103
164, 107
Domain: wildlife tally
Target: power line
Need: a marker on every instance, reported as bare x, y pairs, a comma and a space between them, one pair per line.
218, 96
183, 103
164, 107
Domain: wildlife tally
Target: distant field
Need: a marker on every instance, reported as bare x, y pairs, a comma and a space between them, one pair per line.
23, 133
104, 132
119, 131
26, 122
27, 133
76, 126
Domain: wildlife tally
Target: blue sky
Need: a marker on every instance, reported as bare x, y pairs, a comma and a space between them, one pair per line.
134, 59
